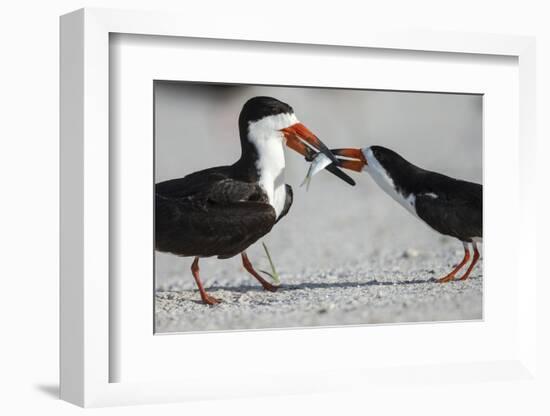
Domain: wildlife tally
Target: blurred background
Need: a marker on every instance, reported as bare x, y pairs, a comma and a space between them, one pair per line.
333, 224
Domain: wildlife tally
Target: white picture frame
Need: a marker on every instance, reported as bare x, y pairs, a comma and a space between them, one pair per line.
87, 302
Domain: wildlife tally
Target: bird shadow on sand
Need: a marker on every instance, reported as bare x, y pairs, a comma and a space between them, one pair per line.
322, 285
243, 289
306, 286
345, 285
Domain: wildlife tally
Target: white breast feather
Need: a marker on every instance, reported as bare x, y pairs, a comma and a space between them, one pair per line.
384, 181
268, 140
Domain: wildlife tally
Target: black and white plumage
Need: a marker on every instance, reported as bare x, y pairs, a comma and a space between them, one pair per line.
221, 211
450, 206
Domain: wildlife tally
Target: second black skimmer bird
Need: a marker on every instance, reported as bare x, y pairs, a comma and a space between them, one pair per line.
450, 206
221, 211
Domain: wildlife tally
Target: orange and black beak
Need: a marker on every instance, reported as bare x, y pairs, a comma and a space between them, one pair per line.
300, 139
352, 159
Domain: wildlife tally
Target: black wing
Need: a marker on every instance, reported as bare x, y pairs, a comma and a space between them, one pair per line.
457, 212
211, 185
210, 214
193, 183
223, 230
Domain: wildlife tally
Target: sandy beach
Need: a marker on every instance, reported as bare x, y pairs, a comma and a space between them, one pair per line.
375, 292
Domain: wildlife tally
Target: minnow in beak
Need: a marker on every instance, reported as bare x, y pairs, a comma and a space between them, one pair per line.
300, 139
352, 159
319, 163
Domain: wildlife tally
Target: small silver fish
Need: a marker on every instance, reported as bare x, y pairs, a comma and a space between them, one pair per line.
319, 162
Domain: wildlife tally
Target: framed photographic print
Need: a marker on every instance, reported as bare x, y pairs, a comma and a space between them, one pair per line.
217, 203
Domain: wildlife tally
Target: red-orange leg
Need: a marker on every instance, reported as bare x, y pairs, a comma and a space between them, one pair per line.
206, 298
472, 264
459, 266
248, 266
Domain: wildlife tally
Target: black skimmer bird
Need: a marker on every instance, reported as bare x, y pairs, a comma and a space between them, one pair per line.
450, 206
221, 211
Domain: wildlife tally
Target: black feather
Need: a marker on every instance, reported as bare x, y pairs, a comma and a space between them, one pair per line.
450, 206
207, 213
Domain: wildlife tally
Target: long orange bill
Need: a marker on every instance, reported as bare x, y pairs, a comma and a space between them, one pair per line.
300, 139
349, 158
299, 136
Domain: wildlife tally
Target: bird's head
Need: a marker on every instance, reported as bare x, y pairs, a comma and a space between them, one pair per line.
265, 120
